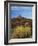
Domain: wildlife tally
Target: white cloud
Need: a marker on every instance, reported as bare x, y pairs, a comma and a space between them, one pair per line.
17, 7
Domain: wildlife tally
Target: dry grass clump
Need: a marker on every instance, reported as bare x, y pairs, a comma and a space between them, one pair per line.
22, 32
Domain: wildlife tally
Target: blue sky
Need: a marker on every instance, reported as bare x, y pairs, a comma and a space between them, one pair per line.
21, 10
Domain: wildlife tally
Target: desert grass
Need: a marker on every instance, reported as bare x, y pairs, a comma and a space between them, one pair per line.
21, 32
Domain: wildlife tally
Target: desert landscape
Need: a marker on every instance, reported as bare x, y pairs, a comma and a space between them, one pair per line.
21, 27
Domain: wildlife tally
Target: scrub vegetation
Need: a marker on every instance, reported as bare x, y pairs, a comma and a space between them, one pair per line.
21, 27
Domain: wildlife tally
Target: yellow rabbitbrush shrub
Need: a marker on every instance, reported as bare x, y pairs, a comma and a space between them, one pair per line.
22, 32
